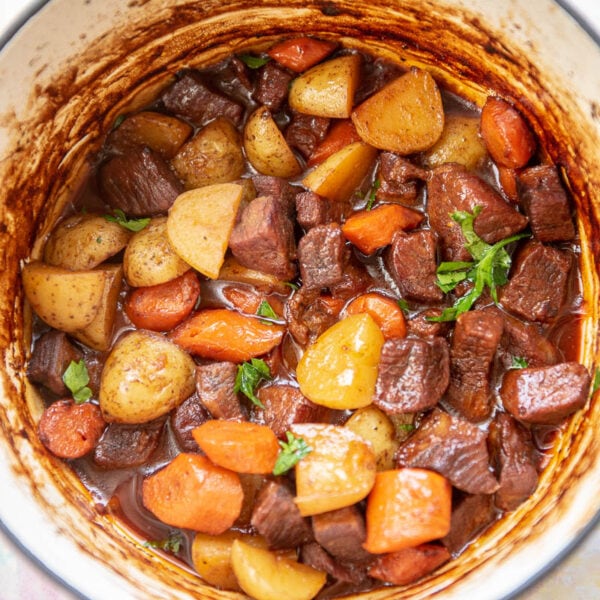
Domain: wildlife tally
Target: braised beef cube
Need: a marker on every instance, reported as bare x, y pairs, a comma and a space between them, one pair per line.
545, 395
322, 256
190, 414
317, 557
306, 131
280, 189
376, 74
413, 374
140, 183
193, 98
476, 337
513, 457
537, 285
122, 445
410, 564
411, 261
313, 210
453, 188
470, 517
355, 280
546, 204
454, 448
342, 533
263, 239
52, 354
215, 383
398, 178
277, 518
240, 72
421, 326
273, 86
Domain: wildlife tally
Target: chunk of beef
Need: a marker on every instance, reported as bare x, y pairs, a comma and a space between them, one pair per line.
122, 445
546, 204
52, 354
342, 533
215, 384
413, 374
306, 131
185, 418
545, 395
513, 458
263, 239
194, 98
277, 518
476, 337
470, 516
313, 210
376, 75
140, 183
399, 179
454, 448
273, 86
317, 557
421, 326
355, 280
411, 261
537, 286
453, 188
280, 189
322, 256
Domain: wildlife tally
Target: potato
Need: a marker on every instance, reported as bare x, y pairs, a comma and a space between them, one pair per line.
64, 299
213, 155
339, 471
200, 223
405, 116
149, 257
266, 148
327, 90
265, 575
374, 425
144, 377
460, 143
83, 241
233, 271
340, 369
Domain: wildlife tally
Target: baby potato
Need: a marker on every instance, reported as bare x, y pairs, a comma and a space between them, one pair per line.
327, 90
339, 471
83, 241
213, 155
149, 257
266, 148
144, 377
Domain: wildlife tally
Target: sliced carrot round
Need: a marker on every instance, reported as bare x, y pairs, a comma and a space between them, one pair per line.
385, 312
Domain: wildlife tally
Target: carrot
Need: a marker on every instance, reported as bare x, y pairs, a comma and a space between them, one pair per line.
162, 307
193, 493
405, 508
299, 54
222, 334
243, 447
71, 430
341, 134
508, 181
505, 134
369, 230
250, 300
385, 311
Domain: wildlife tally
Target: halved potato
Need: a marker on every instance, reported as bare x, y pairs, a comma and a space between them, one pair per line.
327, 90
200, 223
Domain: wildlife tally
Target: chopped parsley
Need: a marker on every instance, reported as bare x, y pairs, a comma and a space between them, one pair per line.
596, 382
248, 377
170, 544
266, 310
292, 452
76, 378
294, 286
253, 61
403, 304
518, 362
131, 224
372, 194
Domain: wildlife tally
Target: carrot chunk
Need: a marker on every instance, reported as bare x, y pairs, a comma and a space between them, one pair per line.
299, 54
341, 134
385, 312
508, 181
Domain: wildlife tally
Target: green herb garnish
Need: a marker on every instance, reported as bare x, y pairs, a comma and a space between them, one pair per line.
294, 286
170, 544
254, 62
596, 382
266, 310
249, 375
372, 194
292, 451
406, 426
403, 304
132, 224
76, 378
118, 121
518, 362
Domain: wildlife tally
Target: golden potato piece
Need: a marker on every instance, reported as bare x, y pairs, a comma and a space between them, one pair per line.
200, 223
405, 116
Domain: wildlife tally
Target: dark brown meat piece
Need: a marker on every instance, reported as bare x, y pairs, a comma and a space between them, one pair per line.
420, 325
215, 384
122, 445
280, 189
513, 458
355, 280
538, 282
277, 518
375, 75
263, 238
474, 344
453, 188
411, 261
52, 354
193, 98
545, 395
185, 418
140, 183
317, 557
413, 374
313, 210
322, 256
273, 86
546, 204
398, 179
454, 448
305, 131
